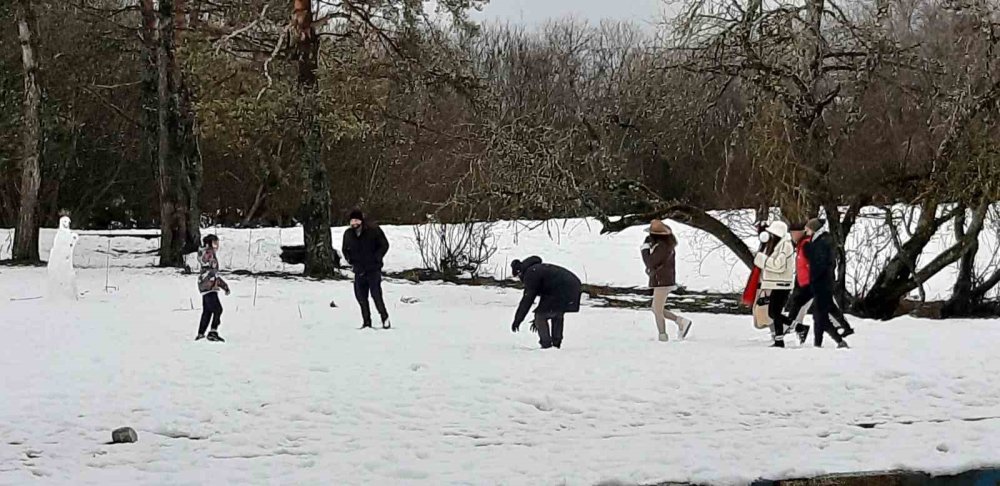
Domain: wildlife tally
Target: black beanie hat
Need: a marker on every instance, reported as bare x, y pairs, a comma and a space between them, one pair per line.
208, 239
357, 214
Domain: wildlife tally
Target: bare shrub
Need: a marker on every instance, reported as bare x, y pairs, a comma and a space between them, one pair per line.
455, 248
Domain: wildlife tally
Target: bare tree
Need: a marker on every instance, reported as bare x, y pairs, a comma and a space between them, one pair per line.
967, 96
179, 165
381, 31
26, 232
315, 211
972, 285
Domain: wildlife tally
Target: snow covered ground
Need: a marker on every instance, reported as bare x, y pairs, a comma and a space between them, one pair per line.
298, 395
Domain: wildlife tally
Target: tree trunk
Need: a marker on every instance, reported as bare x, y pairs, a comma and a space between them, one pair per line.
192, 169
192, 172
840, 229
962, 301
900, 275
178, 160
148, 90
26, 232
969, 293
258, 201
167, 128
315, 210
980, 291
882, 300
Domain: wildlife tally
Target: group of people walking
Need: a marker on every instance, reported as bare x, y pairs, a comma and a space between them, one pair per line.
797, 267
798, 264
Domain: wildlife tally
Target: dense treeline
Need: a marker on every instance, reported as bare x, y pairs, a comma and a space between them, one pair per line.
588, 106
281, 112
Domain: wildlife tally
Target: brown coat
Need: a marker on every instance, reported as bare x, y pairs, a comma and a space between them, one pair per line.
660, 265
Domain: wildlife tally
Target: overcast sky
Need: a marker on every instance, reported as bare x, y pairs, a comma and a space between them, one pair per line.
533, 12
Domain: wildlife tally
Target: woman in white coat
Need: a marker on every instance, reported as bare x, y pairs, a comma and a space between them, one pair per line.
777, 275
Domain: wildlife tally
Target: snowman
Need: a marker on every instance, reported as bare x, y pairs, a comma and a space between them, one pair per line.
62, 276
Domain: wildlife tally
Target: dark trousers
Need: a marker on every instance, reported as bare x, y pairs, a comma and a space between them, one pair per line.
801, 297
775, 308
365, 283
838, 316
211, 310
822, 304
545, 338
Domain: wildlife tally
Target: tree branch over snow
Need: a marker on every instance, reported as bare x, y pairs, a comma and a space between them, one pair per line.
691, 216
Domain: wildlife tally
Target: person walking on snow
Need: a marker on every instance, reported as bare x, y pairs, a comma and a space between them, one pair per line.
209, 284
822, 262
658, 253
559, 290
364, 248
802, 294
777, 276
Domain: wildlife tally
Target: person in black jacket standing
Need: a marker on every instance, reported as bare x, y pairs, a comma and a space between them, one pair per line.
822, 257
365, 246
559, 290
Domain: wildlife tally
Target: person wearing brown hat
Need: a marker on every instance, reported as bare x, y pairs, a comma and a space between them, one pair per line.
658, 253
822, 259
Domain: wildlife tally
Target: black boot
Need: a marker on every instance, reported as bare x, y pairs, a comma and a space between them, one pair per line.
214, 336
802, 331
843, 345
199, 337
385, 323
778, 344
846, 331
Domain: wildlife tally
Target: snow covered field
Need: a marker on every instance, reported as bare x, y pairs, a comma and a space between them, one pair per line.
298, 395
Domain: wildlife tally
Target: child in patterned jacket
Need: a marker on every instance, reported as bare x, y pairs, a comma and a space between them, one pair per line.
209, 284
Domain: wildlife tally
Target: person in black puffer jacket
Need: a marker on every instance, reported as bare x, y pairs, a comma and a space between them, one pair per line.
822, 257
364, 248
559, 290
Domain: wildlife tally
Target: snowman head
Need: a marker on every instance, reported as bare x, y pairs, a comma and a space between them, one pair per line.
64, 222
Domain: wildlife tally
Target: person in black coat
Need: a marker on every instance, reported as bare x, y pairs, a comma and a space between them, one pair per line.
822, 257
364, 248
559, 290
